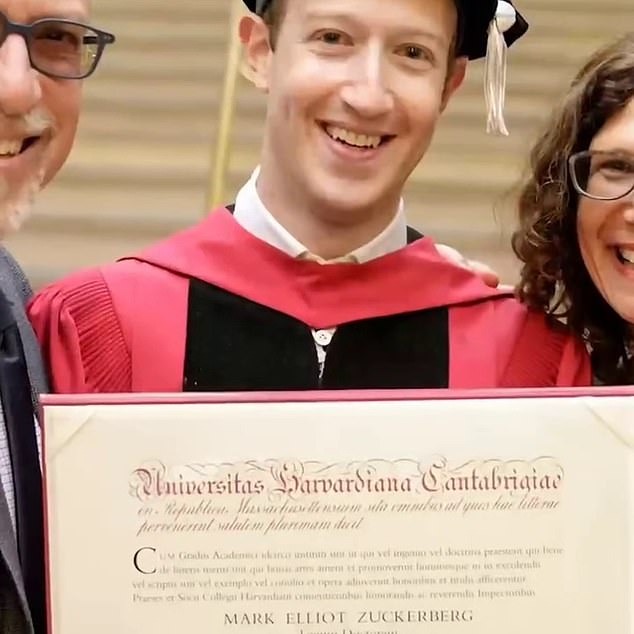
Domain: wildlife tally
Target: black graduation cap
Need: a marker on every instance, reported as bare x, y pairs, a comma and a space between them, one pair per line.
487, 29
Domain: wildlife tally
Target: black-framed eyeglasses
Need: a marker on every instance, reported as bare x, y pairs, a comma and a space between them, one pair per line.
59, 48
602, 175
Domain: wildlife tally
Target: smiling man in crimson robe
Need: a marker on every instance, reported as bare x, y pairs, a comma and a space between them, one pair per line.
313, 279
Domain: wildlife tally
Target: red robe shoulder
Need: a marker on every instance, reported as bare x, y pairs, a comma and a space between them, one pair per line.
122, 327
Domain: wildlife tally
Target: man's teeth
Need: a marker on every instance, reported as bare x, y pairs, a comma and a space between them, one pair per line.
10, 148
352, 138
627, 255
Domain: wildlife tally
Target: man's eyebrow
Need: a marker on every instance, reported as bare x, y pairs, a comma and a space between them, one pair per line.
423, 34
60, 14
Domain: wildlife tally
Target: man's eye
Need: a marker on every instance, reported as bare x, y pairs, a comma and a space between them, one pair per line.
330, 37
414, 52
58, 34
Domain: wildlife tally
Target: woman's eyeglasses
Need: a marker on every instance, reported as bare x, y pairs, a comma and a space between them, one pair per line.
602, 175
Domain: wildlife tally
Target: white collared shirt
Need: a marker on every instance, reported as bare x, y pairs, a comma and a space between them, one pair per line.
251, 214
6, 472
6, 468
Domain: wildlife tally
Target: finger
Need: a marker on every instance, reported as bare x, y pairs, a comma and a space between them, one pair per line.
484, 272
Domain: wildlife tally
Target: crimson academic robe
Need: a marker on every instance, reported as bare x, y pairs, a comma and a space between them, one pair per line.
214, 308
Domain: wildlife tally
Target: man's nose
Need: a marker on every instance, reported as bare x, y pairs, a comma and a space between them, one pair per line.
367, 92
19, 83
369, 100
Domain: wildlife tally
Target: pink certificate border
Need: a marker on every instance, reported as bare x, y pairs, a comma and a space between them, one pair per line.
317, 396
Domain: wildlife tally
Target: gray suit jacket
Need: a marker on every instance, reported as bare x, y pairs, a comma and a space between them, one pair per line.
14, 613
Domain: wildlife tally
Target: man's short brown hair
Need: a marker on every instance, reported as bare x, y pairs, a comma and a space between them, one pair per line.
276, 10
273, 17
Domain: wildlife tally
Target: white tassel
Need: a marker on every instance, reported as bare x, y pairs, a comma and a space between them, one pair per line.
495, 68
495, 81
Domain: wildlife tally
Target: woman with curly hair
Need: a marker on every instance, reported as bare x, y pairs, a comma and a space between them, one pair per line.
576, 210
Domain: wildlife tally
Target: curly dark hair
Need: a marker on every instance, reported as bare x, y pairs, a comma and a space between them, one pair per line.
554, 278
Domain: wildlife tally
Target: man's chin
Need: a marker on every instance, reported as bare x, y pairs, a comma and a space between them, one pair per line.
350, 204
15, 208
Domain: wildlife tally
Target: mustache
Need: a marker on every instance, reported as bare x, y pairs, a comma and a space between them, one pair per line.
33, 123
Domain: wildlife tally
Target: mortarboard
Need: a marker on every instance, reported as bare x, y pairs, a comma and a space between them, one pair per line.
487, 29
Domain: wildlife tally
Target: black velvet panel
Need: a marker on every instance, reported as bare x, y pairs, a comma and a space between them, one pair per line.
399, 351
234, 344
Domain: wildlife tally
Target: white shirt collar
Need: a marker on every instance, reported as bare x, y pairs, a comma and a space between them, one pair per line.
254, 217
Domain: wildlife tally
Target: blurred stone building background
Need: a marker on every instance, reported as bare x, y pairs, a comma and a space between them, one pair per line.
142, 163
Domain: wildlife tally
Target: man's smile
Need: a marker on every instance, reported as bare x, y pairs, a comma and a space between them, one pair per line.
13, 147
356, 138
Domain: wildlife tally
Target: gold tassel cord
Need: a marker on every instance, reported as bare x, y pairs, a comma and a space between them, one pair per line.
221, 150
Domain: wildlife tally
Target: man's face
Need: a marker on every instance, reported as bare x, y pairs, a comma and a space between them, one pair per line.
355, 90
38, 114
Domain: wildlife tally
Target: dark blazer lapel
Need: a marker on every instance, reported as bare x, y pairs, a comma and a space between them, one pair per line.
16, 289
16, 396
15, 286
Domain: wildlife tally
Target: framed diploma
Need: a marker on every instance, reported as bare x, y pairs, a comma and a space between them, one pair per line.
341, 513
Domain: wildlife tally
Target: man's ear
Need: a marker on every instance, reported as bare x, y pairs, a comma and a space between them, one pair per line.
254, 35
457, 72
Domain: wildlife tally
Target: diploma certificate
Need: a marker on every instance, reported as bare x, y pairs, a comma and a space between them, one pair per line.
387, 513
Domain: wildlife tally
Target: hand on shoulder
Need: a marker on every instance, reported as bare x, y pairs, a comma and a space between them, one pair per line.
483, 271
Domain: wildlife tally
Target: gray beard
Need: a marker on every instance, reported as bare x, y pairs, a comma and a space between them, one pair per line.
16, 203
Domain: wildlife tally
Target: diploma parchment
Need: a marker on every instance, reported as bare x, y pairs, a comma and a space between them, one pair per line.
477, 515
